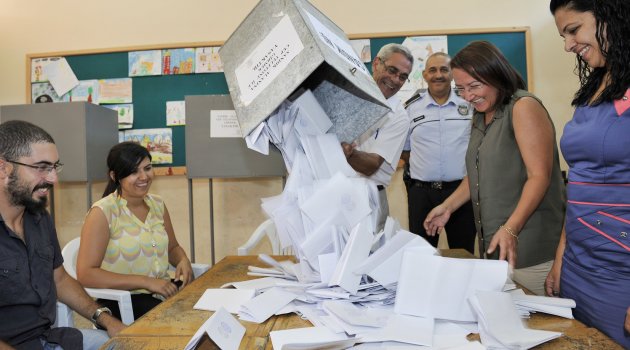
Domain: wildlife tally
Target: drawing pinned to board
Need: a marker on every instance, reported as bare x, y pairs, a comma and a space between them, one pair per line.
363, 49
60, 75
178, 61
87, 91
37, 69
159, 142
125, 115
143, 63
421, 48
44, 93
175, 113
208, 60
115, 90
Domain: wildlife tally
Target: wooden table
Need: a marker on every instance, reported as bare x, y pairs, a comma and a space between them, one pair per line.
171, 324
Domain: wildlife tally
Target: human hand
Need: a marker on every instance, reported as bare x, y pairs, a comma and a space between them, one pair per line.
162, 287
436, 220
507, 246
552, 283
348, 149
627, 323
113, 325
183, 272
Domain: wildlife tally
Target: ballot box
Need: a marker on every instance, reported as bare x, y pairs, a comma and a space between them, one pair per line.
286, 45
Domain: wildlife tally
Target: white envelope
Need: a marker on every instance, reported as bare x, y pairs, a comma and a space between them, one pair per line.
224, 330
230, 299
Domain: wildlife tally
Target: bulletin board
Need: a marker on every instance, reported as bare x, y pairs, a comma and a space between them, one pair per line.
150, 93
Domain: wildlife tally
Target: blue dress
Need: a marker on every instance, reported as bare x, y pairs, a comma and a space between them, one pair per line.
596, 262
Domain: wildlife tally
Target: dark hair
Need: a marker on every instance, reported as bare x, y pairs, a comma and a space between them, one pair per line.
17, 136
612, 28
485, 62
123, 160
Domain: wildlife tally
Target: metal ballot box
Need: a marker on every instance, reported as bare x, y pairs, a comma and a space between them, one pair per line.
284, 45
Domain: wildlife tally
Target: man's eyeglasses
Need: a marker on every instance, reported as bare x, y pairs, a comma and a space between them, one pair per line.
42, 169
403, 77
472, 88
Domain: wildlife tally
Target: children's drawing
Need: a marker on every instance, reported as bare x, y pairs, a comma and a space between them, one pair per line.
363, 49
159, 142
175, 113
125, 115
44, 92
37, 69
208, 60
143, 63
87, 91
421, 48
178, 61
115, 90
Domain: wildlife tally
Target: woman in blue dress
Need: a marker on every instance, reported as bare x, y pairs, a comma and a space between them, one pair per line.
592, 264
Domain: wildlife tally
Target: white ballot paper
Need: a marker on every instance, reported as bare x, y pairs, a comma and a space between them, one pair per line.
222, 328
265, 305
310, 338
500, 326
230, 299
438, 287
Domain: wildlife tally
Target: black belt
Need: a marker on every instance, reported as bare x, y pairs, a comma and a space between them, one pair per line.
380, 187
435, 185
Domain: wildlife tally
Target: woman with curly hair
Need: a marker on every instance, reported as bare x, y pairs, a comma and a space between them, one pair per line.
592, 264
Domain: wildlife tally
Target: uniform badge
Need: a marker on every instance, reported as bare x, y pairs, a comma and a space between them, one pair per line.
416, 119
462, 109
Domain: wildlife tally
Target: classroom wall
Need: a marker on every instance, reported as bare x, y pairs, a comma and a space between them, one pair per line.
38, 26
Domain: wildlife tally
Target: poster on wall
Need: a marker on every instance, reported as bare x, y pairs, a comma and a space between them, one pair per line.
87, 90
208, 60
159, 142
175, 113
144, 63
178, 61
37, 69
44, 93
115, 91
363, 49
125, 115
421, 48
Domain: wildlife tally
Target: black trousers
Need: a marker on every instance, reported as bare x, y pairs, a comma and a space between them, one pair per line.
461, 231
140, 303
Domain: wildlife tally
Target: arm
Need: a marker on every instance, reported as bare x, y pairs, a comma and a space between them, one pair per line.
627, 324
94, 240
363, 162
70, 292
5, 346
438, 217
534, 137
552, 283
176, 255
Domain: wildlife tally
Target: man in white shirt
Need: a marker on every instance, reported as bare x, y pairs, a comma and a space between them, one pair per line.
377, 157
435, 150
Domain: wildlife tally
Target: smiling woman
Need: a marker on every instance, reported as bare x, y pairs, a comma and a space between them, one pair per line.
127, 240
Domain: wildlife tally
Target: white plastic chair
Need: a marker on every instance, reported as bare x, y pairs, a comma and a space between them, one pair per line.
123, 297
268, 229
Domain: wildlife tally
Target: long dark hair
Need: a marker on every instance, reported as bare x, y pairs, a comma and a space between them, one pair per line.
612, 28
485, 62
123, 160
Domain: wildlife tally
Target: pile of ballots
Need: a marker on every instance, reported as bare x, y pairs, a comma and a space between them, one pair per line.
358, 287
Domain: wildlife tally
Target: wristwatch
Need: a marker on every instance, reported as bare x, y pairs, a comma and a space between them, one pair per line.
98, 313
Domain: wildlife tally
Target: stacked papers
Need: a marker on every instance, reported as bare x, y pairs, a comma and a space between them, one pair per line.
500, 325
525, 304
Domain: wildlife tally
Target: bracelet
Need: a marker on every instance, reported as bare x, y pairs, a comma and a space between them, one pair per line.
509, 230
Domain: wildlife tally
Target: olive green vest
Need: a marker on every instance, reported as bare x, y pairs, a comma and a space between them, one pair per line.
496, 174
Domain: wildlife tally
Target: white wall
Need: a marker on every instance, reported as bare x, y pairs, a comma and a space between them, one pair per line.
38, 26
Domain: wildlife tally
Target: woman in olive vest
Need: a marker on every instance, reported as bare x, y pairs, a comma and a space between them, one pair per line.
514, 179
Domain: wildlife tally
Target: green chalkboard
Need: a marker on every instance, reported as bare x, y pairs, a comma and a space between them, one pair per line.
150, 93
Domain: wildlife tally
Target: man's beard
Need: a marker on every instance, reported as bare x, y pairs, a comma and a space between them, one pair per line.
21, 195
